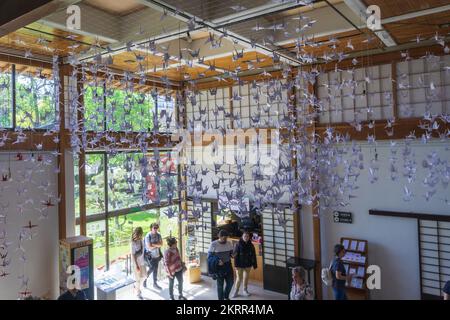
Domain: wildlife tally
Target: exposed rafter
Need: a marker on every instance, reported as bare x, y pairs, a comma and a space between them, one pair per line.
218, 30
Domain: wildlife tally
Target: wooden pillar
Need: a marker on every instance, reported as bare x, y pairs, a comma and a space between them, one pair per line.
230, 93
293, 138
316, 220
394, 90
61, 157
81, 161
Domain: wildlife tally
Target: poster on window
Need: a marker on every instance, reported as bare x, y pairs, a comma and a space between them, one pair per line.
81, 259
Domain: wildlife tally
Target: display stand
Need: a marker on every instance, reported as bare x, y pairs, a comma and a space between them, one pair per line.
77, 251
192, 254
356, 262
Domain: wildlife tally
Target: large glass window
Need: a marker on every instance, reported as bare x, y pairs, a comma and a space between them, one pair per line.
6, 120
166, 113
130, 178
121, 228
125, 184
97, 231
128, 110
35, 100
95, 184
169, 177
94, 107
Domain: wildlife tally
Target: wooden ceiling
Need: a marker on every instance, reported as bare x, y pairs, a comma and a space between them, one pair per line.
116, 7
426, 27
343, 42
130, 61
45, 40
392, 8
249, 60
26, 69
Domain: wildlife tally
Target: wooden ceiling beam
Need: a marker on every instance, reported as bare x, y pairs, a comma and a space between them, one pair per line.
19, 13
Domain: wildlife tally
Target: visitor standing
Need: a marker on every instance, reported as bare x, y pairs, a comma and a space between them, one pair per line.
137, 257
339, 274
174, 267
153, 243
300, 290
244, 260
219, 264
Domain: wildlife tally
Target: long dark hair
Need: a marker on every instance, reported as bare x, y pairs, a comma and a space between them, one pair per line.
137, 233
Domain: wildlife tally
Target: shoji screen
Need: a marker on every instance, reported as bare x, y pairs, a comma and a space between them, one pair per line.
423, 85
278, 242
202, 225
356, 94
434, 252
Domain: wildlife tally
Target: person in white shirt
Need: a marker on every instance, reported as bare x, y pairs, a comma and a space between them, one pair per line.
152, 253
223, 249
138, 261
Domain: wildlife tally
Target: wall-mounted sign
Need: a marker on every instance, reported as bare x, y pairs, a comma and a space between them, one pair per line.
342, 217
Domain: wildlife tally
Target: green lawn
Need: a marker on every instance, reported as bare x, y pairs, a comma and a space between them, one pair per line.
120, 231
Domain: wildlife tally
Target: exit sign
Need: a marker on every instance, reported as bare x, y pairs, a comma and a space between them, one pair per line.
342, 217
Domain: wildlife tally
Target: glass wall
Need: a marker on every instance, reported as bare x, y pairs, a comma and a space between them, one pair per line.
6, 107
35, 100
114, 209
121, 228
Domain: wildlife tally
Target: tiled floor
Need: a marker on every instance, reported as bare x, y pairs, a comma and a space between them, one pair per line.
204, 290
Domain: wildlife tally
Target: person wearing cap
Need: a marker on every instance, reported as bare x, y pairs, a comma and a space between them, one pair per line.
222, 249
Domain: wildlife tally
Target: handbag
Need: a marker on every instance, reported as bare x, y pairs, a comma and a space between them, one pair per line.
184, 268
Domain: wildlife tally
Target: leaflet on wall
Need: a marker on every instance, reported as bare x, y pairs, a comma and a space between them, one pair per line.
357, 283
345, 244
360, 272
361, 246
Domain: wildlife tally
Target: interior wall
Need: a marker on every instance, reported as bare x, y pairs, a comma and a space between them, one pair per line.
392, 241
27, 189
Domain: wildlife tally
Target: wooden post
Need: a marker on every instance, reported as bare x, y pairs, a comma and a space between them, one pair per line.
394, 90
293, 136
61, 157
316, 220
81, 161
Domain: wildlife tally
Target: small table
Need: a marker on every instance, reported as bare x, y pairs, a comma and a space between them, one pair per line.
108, 284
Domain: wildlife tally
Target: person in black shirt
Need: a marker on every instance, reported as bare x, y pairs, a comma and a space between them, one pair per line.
339, 274
447, 291
73, 294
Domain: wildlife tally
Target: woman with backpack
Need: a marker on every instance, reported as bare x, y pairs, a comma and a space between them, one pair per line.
137, 258
339, 274
244, 259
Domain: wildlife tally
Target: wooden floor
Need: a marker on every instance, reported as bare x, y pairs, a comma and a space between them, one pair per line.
204, 290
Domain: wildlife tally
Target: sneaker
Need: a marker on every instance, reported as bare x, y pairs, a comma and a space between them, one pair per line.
139, 296
246, 293
182, 298
172, 298
156, 286
235, 294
